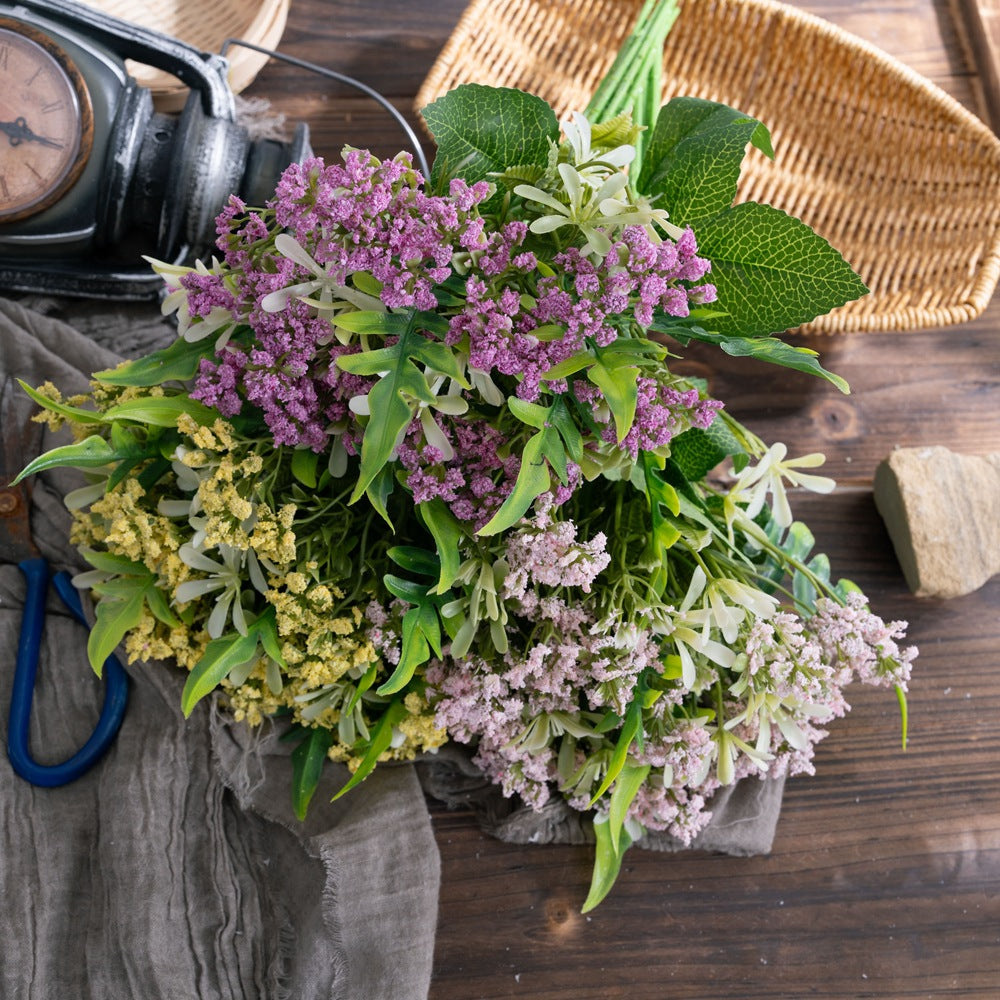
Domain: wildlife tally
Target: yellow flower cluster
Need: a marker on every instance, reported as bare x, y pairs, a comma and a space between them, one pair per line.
121, 523
151, 639
325, 649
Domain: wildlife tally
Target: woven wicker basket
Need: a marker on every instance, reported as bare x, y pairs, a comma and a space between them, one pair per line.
895, 173
205, 26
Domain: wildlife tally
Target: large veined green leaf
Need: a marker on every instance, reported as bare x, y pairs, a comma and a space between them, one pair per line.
696, 452
481, 130
694, 156
772, 272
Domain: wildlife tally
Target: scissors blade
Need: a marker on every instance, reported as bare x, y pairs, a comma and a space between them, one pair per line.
21, 438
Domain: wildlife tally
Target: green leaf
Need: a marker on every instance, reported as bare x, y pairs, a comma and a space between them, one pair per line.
381, 738
696, 452
391, 414
561, 418
903, 712
221, 655
619, 389
664, 533
481, 130
447, 533
532, 481
772, 272
375, 323
304, 463
630, 729
767, 349
626, 787
308, 759
573, 364
266, 630
178, 362
74, 413
420, 631
392, 400
415, 560
114, 619
405, 590
607, 862
161, 411
694, 156
90, 453
528, 413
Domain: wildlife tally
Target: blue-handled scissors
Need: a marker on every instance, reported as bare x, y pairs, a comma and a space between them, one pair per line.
20, 442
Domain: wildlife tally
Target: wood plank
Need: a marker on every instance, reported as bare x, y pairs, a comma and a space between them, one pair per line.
979, 24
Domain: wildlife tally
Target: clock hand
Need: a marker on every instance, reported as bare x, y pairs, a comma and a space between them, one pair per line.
18, 131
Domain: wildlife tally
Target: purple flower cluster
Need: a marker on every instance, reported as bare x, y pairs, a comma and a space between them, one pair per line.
584, 300
474, 482
359, 216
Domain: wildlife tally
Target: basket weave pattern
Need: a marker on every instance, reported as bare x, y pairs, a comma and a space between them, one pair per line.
891, 170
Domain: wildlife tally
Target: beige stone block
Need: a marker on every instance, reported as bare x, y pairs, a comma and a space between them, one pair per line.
942, 511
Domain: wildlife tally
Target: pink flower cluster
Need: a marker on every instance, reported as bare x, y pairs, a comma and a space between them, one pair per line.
359, 216
587, 301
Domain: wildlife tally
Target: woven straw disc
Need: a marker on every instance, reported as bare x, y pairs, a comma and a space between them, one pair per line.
897, 175
205, 26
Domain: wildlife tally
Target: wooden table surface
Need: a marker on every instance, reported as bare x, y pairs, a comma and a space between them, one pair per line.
884, 880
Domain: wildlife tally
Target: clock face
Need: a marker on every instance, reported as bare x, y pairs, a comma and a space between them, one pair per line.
46, 121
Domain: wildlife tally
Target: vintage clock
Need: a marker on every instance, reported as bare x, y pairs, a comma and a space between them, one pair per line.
46, 121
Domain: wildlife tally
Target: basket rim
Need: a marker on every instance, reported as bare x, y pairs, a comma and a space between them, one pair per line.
965, 123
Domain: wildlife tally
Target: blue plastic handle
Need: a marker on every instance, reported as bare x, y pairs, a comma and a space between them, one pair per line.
36, 573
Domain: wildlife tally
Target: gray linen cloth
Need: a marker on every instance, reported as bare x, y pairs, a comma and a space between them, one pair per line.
176, 869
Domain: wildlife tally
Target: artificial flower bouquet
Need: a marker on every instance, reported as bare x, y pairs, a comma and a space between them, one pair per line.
418, 466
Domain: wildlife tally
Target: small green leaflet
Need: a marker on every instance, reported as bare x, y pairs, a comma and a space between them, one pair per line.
767, 349
629, 781
394, 398
629, 731
381, 738
532, 481
619, 388
308, 759
122, 600
446, 532
304, 464
481, 130
663, 501
771, 271
607, 862
227, 652
74, 413
694, 156
90, 453
161, 411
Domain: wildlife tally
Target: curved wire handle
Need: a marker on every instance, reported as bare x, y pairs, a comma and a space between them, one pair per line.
351, 82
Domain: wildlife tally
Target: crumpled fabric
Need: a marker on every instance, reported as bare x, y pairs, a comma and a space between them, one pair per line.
176, 868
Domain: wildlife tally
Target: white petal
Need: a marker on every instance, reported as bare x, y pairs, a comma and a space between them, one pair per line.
289, 247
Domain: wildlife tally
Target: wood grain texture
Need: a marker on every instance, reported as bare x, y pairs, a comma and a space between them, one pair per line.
884, 880
978, 23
